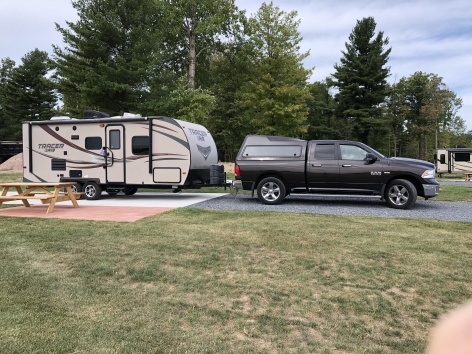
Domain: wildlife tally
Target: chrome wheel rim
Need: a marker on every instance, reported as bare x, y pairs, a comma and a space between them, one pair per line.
270, 191
398, 195
90, 191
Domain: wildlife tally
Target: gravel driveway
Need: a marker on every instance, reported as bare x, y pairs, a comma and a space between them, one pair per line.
358, 206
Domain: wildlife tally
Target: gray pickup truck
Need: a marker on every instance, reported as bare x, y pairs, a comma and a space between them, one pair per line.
278, 166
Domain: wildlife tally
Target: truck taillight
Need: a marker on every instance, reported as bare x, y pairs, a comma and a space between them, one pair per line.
237, 171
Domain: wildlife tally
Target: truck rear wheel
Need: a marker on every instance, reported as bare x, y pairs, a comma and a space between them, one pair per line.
401, 194
271, 190
92, 191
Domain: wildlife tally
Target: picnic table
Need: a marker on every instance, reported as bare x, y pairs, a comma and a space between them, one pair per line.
47, 193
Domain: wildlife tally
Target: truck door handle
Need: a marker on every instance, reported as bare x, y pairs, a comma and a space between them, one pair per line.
314, 165
347, 165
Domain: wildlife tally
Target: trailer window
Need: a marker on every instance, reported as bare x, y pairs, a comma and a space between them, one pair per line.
324, 152
140, 145
115, 140
93, 143
462, 156
442, 159
272, 151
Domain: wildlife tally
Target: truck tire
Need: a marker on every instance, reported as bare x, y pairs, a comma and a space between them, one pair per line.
92, 191
271, 190
401, 194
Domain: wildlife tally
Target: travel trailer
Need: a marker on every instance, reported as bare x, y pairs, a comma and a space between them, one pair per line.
453, 160
120, 154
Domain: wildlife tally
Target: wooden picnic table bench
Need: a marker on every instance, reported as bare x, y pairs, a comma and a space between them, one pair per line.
46, 192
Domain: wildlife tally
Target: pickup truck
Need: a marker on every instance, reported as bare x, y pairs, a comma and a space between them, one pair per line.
278, 166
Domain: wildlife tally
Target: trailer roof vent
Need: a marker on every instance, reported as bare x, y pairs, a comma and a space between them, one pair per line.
95, 114
131, 115
60, 118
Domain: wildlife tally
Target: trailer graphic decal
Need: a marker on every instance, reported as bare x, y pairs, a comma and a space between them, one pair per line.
49, 130
205, 151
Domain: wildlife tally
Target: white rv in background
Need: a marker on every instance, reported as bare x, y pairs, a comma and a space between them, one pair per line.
453, 160
121, 153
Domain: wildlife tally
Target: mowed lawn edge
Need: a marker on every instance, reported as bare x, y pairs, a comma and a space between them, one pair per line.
207, 281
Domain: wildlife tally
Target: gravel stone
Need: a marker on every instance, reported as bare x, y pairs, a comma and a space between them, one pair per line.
355, 206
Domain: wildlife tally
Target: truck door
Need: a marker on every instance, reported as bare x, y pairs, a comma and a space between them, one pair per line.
355, 172
322, 166
115, 157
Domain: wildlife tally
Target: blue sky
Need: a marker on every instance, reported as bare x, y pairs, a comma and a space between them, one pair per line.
432, 36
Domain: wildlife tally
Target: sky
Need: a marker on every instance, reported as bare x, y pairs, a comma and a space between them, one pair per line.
432, 36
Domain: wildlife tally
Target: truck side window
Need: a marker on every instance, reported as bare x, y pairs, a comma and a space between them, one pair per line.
324, 152
272, 151
351, 152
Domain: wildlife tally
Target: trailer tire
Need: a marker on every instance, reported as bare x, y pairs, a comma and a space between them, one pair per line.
130, 190
92, 191
112, 191
271, 190
76, 188
400, 194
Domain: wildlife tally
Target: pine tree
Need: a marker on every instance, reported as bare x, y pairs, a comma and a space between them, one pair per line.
361, 79
111, 55
29, 94
6, 71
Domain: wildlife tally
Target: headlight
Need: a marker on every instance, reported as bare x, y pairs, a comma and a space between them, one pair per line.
428, 174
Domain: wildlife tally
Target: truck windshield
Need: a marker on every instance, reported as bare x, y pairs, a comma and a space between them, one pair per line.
378, 153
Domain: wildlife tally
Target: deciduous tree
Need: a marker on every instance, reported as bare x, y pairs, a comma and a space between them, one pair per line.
275, 98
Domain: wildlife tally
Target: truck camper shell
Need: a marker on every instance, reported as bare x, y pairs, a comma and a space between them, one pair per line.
120, 153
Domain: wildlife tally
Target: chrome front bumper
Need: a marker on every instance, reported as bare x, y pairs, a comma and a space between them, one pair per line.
430, 190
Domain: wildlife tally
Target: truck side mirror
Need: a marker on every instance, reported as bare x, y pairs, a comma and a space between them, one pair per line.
370, 158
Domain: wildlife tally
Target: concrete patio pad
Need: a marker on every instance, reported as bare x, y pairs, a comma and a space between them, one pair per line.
112, 208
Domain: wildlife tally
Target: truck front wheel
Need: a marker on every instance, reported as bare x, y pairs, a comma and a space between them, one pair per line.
401, 194
271, 190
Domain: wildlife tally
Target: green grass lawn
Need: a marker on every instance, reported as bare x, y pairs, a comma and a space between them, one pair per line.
202, 281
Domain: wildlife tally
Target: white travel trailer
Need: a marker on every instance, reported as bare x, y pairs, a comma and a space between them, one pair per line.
453, 160
121, 153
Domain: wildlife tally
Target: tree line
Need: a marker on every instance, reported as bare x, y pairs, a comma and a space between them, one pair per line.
209, 63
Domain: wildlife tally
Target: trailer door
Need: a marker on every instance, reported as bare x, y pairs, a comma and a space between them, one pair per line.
115, 157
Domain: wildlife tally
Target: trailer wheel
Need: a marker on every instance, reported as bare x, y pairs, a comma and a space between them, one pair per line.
92, 191
130, 190
76, 188
111, 191
271, 190
400, 194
